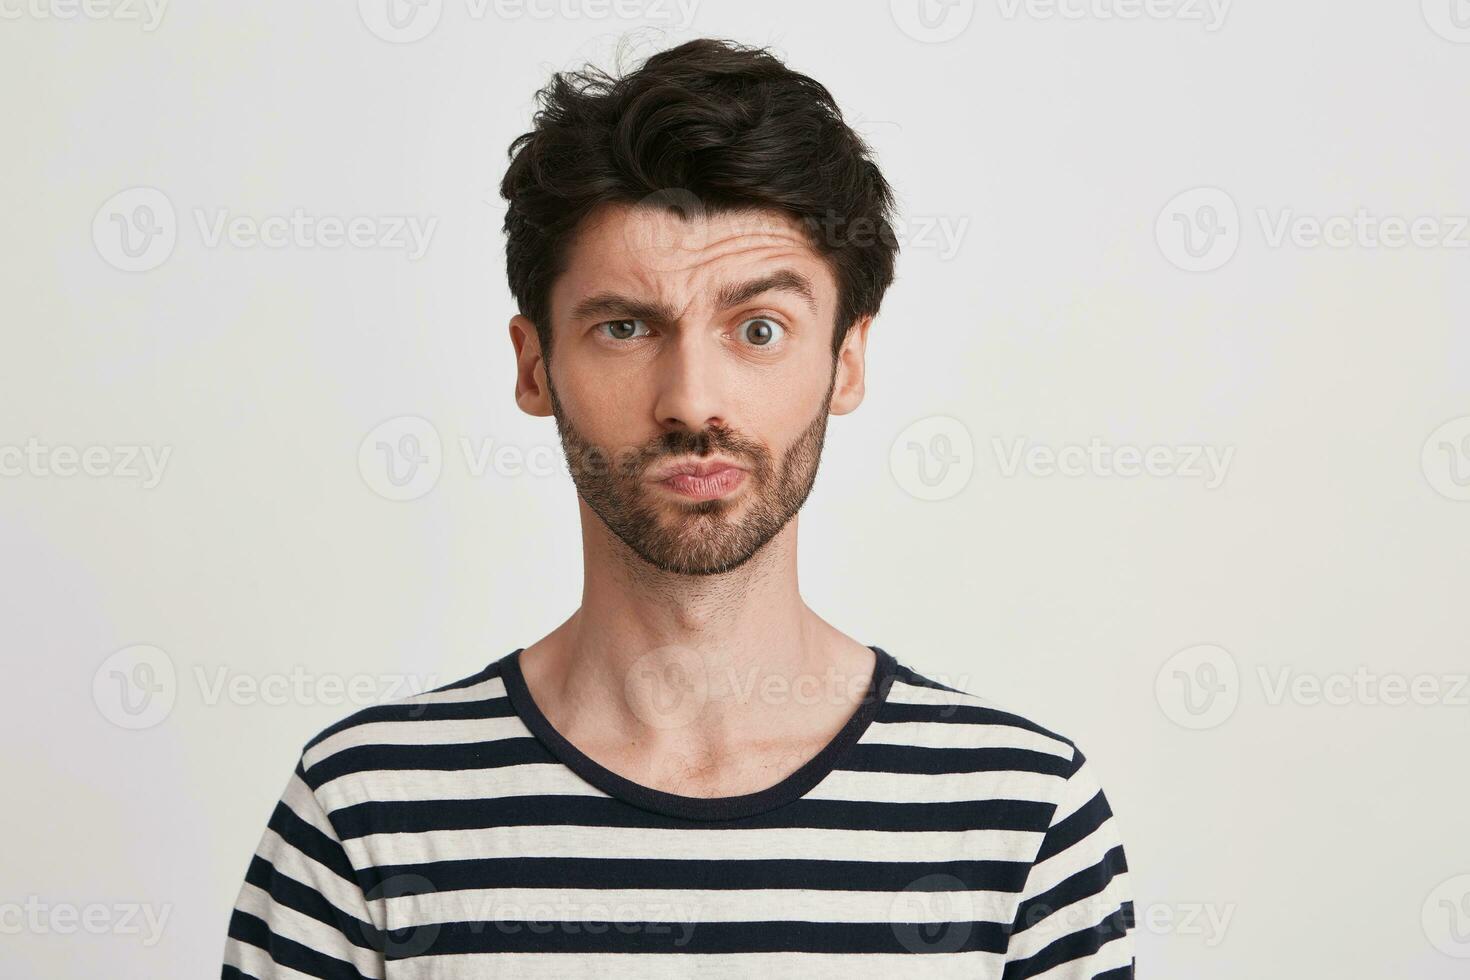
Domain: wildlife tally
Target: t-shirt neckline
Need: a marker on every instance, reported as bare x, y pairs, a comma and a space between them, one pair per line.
787, 790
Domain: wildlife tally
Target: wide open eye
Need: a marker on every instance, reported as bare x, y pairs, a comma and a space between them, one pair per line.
761, 331
622, 329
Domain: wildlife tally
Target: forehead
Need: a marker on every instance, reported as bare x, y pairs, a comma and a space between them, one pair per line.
683, 256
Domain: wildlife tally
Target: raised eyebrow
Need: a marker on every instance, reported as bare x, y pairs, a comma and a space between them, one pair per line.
730, 294
782, 280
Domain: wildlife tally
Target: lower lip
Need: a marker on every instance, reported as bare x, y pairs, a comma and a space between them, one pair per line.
708, 487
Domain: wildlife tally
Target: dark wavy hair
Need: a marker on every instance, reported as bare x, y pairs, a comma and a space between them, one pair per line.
725, 124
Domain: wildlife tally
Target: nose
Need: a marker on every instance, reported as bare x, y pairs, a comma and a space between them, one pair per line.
691, 390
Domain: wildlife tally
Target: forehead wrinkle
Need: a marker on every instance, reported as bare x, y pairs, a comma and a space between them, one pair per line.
731, 244
789, 279
727, 295
769, 236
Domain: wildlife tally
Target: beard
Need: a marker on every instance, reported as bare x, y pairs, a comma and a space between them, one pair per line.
706, 537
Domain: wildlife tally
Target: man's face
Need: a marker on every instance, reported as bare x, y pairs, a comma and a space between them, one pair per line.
703, 340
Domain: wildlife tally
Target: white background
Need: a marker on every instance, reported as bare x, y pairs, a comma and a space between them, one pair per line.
1050, 143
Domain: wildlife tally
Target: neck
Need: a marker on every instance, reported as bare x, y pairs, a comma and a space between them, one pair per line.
694, 666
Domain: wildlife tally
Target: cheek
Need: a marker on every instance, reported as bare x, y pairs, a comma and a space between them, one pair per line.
800, 388
584, 392
777, 415
611, 414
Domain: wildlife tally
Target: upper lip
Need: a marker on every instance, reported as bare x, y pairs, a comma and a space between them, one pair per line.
695, 466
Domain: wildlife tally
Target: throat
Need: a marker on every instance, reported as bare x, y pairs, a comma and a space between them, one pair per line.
741, 773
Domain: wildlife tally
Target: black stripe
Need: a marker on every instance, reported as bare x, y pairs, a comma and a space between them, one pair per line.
421, 816
452, 756
558, 936
915, 679
497, 707
406, 710
304, 898
1076, 946
894, 712
1084, 884
490, 670
1076, 827
417, 711
671, 874
526, 750
881, 757
311, 841
246, 928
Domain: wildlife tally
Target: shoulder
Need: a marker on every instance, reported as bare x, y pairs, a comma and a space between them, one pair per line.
1002, 755
429, 730
970, 718
935, 713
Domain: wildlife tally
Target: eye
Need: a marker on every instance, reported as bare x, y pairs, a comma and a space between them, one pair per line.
761, 331
622, 329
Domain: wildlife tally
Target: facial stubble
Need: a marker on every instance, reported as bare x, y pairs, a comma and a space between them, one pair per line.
700, 537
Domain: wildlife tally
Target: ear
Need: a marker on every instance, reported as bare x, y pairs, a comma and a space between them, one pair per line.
532, 393
847, 388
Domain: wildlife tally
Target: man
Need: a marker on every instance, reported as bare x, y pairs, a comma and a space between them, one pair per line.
694, 772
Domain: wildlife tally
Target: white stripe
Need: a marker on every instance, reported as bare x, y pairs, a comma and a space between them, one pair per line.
422, 732
341, 894
902, 692
1114, 953
300, 800
909, 787
486, 690
954, 735
1082, 855
692, 844
555, 779
256, 962
686, 908
706, 966
315, 935
1085, 913
1079, 791
406, 785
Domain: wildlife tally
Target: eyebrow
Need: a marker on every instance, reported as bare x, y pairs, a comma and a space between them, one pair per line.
728, 295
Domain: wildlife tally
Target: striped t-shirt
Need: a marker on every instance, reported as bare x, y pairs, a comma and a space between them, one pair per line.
456, 833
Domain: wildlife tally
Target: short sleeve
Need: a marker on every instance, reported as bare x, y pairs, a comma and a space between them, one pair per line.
300, 911
1075, 917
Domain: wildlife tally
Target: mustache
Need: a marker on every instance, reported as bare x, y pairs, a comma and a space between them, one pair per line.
634, 461
706, 442
678, 442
